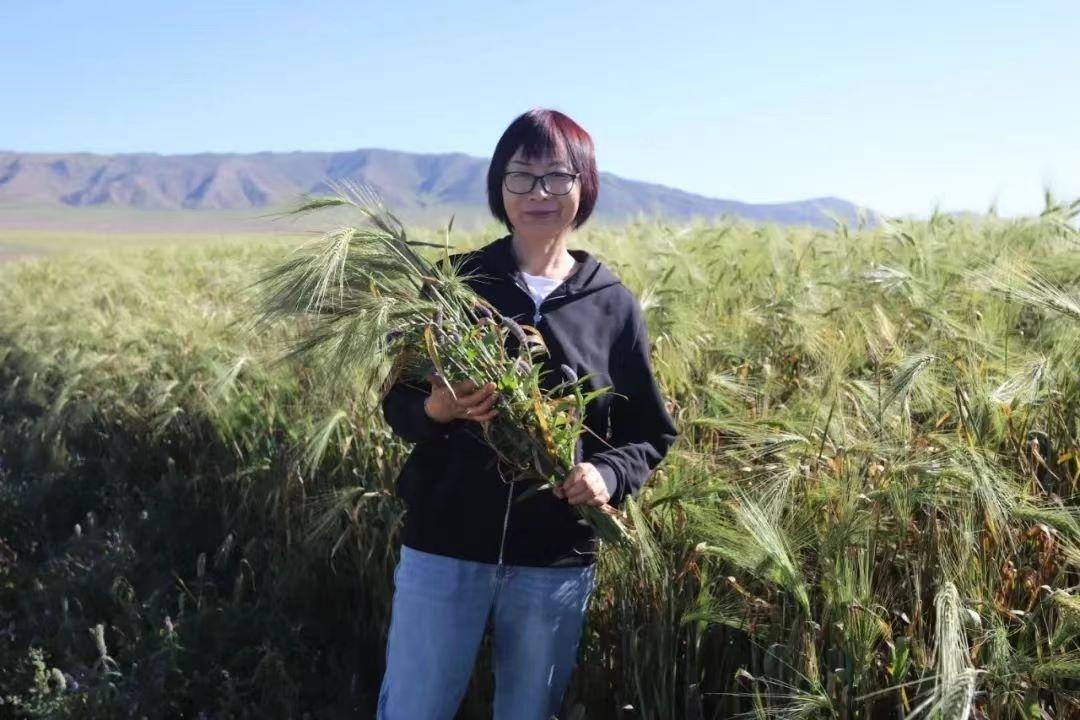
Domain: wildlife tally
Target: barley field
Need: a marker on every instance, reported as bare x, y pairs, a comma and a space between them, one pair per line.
870, 513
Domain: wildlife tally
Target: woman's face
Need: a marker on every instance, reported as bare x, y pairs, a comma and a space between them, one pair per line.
538, 214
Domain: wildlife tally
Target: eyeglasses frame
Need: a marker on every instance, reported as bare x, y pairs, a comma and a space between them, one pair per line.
543, 181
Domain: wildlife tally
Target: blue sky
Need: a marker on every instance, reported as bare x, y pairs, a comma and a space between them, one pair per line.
954, 104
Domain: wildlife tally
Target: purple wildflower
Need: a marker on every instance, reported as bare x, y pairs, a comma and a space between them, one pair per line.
514, 329
568, 371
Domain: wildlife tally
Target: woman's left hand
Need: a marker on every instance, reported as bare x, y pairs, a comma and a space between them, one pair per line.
584, 484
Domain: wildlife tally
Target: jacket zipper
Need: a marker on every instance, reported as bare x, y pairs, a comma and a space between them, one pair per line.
537, 314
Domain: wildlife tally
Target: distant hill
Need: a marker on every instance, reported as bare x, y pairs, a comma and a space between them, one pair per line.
419, 187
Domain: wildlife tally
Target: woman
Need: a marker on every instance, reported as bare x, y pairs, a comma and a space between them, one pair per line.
471, 557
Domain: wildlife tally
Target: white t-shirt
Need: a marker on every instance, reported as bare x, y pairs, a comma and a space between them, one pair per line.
539, 286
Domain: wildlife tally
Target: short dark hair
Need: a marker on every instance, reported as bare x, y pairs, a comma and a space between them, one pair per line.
541, 132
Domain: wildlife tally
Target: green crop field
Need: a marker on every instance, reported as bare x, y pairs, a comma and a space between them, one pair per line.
871, 511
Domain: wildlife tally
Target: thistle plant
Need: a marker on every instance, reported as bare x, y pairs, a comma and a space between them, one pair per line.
372, 306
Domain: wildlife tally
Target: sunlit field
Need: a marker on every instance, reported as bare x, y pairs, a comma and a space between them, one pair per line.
870, 513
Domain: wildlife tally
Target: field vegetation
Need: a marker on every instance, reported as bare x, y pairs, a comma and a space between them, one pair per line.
871, 511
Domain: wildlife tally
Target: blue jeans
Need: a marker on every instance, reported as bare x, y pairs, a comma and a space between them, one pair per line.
441, 608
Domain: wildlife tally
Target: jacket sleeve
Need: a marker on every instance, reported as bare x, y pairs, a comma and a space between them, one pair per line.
642, 431
403, 408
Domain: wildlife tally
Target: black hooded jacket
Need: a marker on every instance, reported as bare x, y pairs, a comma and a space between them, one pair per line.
457, 503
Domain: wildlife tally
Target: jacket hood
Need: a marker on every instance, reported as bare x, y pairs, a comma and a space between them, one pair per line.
593, 275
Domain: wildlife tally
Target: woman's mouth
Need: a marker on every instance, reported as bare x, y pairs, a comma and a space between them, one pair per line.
540, 213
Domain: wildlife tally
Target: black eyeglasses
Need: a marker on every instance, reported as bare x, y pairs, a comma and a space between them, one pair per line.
554, 183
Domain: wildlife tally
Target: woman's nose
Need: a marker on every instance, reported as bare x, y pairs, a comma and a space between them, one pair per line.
538, 189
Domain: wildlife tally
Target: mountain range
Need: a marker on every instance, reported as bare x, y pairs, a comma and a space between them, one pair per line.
418, 187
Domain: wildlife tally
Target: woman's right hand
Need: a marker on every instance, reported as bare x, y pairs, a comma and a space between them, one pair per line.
472, 403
